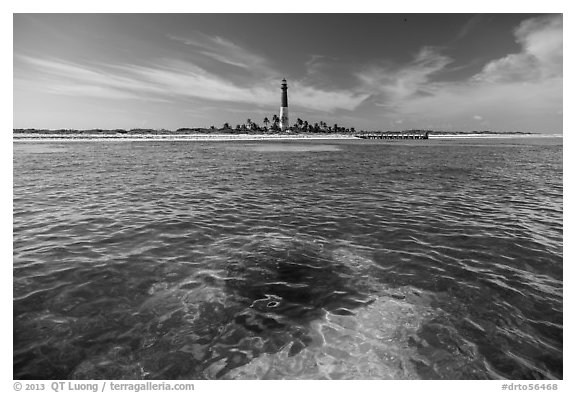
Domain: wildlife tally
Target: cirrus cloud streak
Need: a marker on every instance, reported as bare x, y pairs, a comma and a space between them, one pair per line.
174, 80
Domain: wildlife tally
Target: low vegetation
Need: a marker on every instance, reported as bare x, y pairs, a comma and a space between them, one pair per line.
249, 127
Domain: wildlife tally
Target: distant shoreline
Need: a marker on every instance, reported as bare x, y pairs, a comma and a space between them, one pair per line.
177, 137
31, 137
491, 136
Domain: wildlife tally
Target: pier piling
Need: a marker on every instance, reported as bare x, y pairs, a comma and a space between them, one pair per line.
395, 135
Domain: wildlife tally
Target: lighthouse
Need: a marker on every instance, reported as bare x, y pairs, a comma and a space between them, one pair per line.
284, 107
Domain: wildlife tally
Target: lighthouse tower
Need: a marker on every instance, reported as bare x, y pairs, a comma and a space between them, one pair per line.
284, 107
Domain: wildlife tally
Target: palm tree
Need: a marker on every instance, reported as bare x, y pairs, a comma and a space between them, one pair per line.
299, 122
275, 121
226, 126
266, 122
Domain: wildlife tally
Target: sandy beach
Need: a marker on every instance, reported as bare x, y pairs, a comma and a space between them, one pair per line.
32, 137
176, 137
492, 136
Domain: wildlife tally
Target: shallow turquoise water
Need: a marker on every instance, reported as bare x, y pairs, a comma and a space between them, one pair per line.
335, 259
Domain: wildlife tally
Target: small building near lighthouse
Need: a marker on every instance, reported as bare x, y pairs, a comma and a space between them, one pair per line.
284, 121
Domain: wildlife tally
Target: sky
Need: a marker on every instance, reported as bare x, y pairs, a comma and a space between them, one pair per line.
456, 72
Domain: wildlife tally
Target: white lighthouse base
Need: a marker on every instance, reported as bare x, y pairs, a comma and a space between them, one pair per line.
284, 122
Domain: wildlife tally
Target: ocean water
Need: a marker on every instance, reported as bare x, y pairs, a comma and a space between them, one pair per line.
438, 259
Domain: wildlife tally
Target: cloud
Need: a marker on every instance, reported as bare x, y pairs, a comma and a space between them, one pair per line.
173, 80
540, 57
315, 64
517, 91
325, 100
320, 66
188, 80
400, 83
63, 77
227, 52
470, 25
518, 106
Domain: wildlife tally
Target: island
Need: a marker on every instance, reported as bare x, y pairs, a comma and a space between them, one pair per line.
252, 130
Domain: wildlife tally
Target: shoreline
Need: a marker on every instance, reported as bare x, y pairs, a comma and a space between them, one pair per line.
29, 137
492, 136
176, 137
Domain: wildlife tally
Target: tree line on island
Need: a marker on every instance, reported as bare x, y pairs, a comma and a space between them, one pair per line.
249, 127
273, 126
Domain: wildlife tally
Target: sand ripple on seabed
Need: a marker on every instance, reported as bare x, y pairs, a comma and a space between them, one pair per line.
307, 331
278, 306
372, 344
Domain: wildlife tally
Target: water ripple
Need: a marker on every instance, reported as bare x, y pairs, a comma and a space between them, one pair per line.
249, 260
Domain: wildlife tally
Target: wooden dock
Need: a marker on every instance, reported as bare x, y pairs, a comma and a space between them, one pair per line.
394, 135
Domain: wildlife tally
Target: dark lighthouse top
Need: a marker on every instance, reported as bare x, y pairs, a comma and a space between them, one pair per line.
284, 94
